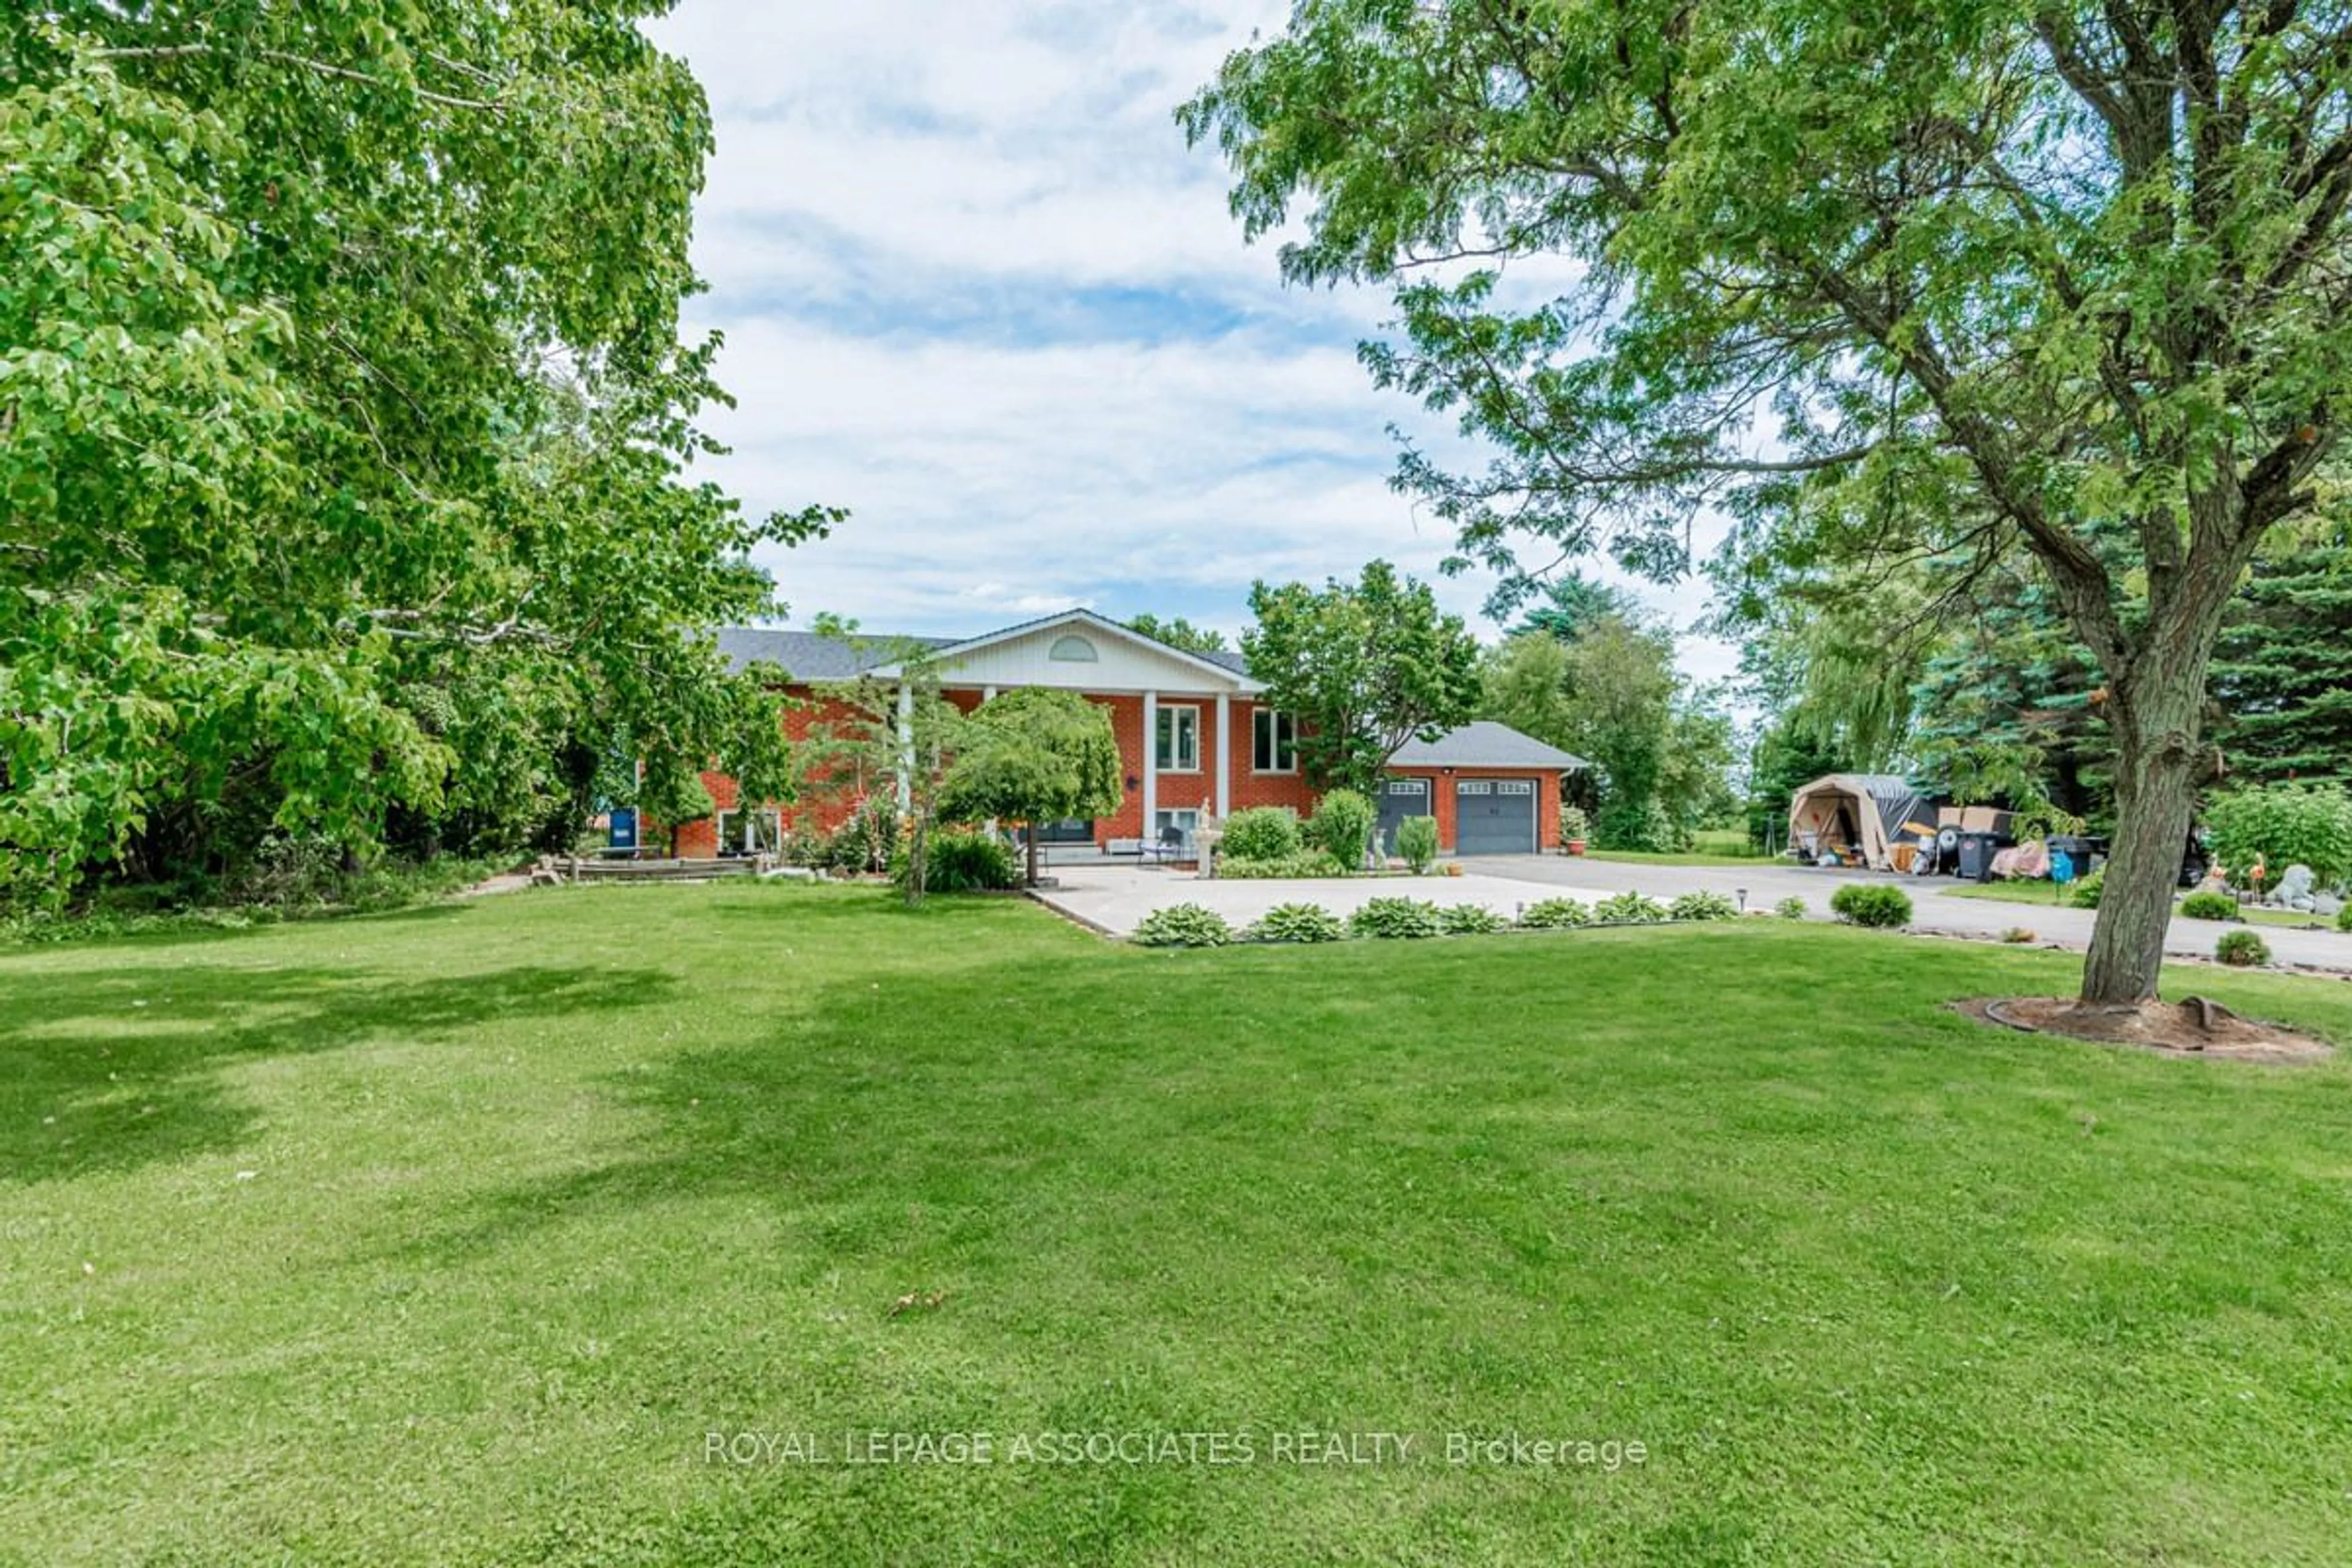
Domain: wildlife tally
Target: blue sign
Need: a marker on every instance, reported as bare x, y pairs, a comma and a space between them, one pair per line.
624, 830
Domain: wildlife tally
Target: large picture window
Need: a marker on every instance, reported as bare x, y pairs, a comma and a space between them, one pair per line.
1177, 749
1275, 748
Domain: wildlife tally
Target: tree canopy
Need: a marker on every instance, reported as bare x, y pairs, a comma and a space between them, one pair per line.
1177, 632
1958, 280
1034, 754
348, 431
1364, 666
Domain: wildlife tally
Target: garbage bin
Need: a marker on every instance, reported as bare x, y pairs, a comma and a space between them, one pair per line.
1977, 851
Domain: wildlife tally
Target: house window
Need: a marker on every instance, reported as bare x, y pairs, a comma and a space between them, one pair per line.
749, 832
1073, 650
1177, 747
1276, 743
1184, 819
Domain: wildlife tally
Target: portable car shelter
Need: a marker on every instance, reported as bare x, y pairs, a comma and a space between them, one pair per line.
1860, 815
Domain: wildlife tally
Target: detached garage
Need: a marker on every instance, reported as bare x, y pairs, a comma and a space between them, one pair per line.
1492, 790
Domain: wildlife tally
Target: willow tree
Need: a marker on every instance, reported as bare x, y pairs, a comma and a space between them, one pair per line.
2041, 272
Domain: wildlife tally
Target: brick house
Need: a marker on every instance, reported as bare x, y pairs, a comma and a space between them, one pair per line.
1195, 735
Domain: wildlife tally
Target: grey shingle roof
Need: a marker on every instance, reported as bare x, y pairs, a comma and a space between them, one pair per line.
1484, 745
808, 656
805, 656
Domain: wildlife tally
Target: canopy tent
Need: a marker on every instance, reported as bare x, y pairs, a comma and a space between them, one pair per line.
1860, 817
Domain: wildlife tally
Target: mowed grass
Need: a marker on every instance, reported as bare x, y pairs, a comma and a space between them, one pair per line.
453, 1236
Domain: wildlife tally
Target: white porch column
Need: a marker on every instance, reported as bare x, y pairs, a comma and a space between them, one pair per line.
988, 695
1150, 765
906, 747
1225, 755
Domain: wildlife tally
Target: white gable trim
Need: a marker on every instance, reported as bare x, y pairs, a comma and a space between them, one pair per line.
1217, 678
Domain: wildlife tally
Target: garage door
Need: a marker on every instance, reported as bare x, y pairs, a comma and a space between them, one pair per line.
1401, 798
1495, 816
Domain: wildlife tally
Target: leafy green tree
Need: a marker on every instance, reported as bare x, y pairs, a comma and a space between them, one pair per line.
1523, 683
1177, 632
1620, 712
343, 421
2033, 270
894, 734
1034, 755
1364, 666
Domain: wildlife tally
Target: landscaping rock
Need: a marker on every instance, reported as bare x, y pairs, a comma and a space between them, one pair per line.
2326, 904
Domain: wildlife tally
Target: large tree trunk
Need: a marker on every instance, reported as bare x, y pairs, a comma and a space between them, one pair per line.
2155, 719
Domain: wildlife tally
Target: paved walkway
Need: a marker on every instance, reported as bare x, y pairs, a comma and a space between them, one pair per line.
1114, 898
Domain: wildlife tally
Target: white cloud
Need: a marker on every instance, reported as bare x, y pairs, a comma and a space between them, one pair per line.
976, 288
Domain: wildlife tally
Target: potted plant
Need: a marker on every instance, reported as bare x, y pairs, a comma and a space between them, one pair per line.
1572, 829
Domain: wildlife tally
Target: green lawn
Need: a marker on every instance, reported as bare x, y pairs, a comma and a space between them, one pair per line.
451, 1237
1709, 846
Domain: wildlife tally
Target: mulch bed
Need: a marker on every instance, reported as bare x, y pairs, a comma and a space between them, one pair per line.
2194, 1027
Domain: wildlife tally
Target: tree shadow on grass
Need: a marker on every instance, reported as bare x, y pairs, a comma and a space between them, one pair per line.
109, 1072
839, 1106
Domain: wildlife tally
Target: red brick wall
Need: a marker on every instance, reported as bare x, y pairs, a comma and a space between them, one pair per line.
826, 809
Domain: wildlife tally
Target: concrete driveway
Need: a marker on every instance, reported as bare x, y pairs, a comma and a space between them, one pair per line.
1113, 899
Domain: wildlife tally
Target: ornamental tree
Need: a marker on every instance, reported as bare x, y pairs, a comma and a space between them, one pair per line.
1363, 667
1958, 281
1033, 755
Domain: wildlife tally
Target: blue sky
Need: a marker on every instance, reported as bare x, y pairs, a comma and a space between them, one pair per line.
976, 288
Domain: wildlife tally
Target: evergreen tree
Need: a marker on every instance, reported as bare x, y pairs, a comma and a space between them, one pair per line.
2283, 673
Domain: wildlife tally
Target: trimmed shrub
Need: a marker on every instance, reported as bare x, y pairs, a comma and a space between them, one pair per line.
1306, 863
1791, 909
2242, 949
1299, 923
1182, 925
1470, 920
1703, 906
2084, 893
1638, 825
1628, 909
2344, 918
1574, 823
2284, 825
1262, 833
1417, 842
1872, 904
1343, 826
1398, 918
2208, 905
1553, 914
965, 862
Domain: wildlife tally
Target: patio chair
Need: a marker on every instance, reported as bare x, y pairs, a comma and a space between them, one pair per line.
1168, 845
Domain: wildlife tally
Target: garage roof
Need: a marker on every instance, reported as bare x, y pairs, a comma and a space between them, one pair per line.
1484, 745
